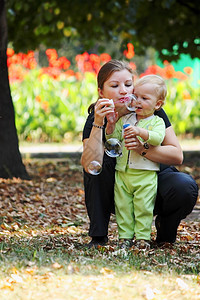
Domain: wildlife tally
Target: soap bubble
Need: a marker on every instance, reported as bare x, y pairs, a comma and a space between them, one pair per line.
130, 102
113, 147
94, 167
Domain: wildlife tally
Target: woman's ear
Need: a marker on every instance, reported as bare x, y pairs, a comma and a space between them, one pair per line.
100, 92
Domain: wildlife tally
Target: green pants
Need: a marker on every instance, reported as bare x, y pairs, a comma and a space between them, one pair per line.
135, 192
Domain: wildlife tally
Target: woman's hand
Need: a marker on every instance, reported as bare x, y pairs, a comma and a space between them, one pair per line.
111, 121
102, 108
133, 143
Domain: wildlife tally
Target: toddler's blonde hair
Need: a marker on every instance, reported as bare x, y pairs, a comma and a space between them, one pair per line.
161, 88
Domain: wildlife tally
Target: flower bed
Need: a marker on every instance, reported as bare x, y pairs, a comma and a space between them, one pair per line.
51, 102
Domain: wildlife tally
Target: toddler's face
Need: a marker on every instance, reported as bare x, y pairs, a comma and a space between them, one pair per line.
147, 100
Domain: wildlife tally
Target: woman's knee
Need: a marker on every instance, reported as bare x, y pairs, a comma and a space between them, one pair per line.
186, 187
178, 191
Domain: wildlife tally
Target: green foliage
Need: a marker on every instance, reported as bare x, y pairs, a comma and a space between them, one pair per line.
169, 26
46, 108
183, 106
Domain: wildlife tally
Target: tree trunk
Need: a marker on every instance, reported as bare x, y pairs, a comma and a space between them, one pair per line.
11, 164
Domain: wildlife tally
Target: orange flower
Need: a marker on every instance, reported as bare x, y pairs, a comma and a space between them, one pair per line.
153, 69
79, 76
86, 56
51, 54
16, 72
51, 71
132, 65
105, 57
188, 70
38, 98
88, 66
10, 52
169, 71
79, 57
186, 95
26, 60
45, 105
94, 58
64, 63
130, 53
69, 73
180, 75
165, 62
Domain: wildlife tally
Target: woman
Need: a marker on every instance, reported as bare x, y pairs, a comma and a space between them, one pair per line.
177, 192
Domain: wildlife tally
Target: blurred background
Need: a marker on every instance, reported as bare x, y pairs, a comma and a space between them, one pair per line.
55, 50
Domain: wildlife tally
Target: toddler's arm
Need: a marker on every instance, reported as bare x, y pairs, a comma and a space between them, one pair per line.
155, 136
136, 131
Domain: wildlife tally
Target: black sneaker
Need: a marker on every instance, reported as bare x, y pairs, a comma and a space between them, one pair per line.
164, 245
97, 241
125, 243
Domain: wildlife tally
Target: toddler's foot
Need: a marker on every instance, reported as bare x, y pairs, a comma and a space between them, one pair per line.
142, 244
125, 243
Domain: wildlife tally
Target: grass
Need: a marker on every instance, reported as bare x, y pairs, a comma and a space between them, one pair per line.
45, 264
43, 229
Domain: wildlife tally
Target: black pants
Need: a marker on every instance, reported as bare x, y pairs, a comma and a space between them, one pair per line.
99, 198
176, 197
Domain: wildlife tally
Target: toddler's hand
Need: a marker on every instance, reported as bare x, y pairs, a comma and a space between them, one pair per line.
131, 131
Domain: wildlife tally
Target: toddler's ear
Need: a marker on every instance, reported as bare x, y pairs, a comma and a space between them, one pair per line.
159, 104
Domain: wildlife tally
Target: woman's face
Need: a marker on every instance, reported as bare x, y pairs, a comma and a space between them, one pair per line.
118, 86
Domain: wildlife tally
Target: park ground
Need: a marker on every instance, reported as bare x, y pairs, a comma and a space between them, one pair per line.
43, 230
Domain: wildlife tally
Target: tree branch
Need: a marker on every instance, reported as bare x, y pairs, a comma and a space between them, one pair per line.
194, 8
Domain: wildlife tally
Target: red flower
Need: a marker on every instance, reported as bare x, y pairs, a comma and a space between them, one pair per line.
51, 54
130, 53
105, 57
169, 71
94, 58
10, 52
165, 62
132, 65
64, 63
51, 71
70, 73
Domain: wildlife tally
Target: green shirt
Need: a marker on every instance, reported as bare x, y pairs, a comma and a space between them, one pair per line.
156, 128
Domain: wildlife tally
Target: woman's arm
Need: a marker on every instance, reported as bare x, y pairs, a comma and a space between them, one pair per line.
170, 153
93, 148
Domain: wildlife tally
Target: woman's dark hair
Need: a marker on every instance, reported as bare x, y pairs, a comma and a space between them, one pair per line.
106, 71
